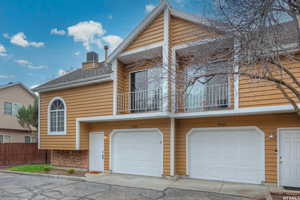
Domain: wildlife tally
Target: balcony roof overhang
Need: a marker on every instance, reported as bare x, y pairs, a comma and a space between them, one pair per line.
197, 47
143, 53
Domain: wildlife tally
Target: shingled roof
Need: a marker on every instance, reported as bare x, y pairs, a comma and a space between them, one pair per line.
77, 78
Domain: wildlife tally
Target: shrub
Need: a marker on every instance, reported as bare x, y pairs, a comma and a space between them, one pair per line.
71, 171
47, 169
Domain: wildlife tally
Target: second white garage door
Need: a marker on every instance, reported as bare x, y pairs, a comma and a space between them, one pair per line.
137, 151
226, 154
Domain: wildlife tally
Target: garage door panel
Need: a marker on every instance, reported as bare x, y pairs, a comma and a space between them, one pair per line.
137, 152
226, 155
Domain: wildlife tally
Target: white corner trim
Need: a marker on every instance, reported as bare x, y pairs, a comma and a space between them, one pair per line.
172, 147
141, 49
187, 139
138, 29
77, 142
115, 86
140, 130
236, 76
39, 123
65, 117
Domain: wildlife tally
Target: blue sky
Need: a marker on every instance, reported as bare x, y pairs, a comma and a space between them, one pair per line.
41, 39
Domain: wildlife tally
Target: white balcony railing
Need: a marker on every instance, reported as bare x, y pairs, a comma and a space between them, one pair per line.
140, 101
209, 97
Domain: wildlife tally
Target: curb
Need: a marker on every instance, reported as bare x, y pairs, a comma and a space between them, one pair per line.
72, 178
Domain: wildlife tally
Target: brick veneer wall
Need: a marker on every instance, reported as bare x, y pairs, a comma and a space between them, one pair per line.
67, 158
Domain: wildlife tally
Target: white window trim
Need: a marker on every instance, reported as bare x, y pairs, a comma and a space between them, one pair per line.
65, 118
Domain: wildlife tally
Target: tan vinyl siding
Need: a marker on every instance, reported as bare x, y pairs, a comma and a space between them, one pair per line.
162, 124
152, 34
267, 123
86, 101
253, 93
182, 31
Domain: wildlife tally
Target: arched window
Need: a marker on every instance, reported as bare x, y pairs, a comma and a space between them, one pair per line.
57, 116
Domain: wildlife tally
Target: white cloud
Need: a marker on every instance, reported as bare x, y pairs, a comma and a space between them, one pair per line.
61, 72
87, 32
5, 35
77, 53
20, 40
22, 62
149, 8
7, 76
55, 31
112, 40
29, 65
2, 50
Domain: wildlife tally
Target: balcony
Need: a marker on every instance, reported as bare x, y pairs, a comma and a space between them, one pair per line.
206, 98
140, 101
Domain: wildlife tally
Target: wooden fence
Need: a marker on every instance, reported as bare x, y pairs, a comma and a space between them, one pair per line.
20, 154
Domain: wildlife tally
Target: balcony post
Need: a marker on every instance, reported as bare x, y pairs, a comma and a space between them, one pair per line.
165, 63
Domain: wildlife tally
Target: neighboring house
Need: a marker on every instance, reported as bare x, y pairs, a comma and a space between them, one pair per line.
122, 118
12, 97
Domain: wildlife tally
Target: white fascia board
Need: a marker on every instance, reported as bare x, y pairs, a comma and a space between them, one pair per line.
124, 117
138, 30
240, 111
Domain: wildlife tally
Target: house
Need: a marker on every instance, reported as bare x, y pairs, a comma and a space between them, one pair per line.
126, 115
12, 97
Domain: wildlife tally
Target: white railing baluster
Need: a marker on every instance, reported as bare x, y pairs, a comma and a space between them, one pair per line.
211, 96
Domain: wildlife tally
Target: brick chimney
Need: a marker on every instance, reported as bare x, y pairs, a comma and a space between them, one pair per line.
92, 60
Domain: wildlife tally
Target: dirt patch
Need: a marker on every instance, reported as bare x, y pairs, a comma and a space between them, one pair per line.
65, 172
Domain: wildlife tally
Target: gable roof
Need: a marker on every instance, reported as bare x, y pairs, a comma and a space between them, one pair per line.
77, 77
155, 12
17, 84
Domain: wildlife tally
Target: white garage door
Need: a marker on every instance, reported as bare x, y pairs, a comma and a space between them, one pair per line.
226, 154
137, 152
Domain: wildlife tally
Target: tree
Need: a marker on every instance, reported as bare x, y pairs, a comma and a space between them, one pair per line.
260, 39
28, 116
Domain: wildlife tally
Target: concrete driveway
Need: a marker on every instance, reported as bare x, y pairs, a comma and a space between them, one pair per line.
23, 187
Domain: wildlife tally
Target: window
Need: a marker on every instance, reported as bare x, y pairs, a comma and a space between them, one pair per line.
57, 115
7, 108
145, 88
206, 92
5, 139
11, 108
27, 139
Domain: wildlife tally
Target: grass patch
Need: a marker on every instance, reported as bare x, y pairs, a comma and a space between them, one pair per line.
31, 168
